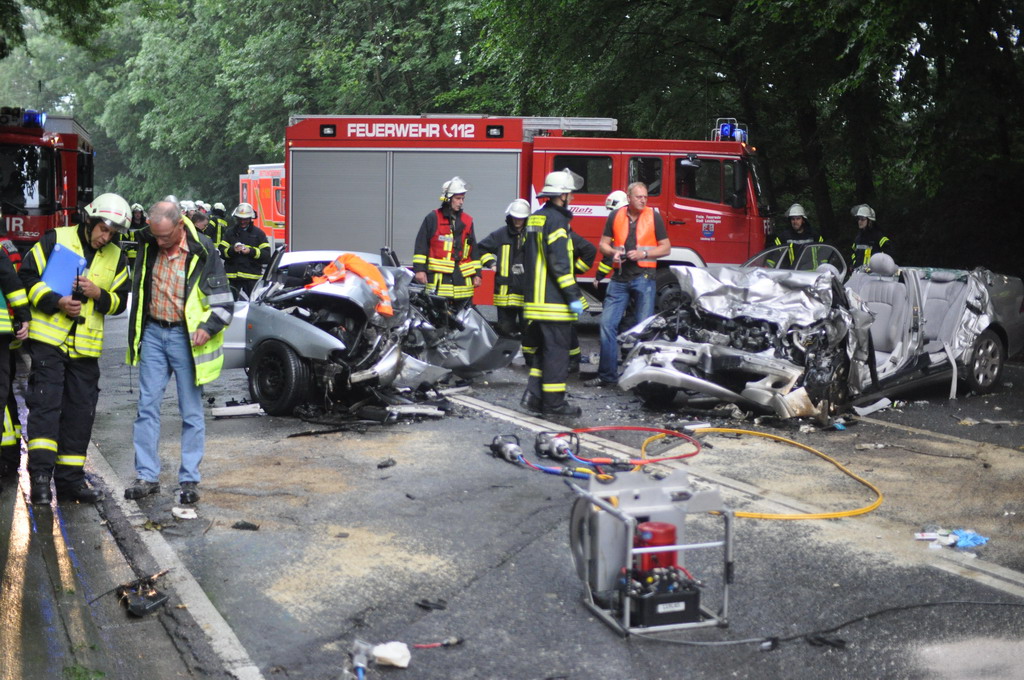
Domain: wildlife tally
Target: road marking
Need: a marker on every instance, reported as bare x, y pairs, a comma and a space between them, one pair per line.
221, 636
992, 575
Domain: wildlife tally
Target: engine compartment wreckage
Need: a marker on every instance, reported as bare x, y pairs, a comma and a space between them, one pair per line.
321, 328
798, 342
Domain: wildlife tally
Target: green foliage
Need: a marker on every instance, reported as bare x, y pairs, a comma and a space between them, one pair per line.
914, 106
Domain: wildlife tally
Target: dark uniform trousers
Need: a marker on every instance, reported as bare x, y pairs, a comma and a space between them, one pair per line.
61, 400
549, 343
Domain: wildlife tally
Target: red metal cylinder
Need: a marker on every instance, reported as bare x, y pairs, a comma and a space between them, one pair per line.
650, 534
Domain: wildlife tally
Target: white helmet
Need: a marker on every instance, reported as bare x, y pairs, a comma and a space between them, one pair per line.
453, 187
138, 206
219, 206
112, 209
796, 210
561, 182
171, 198
863, 210
188, 206
243, 211
518, 208
616, 200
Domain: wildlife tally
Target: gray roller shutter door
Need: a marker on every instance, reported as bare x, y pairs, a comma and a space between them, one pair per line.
338, 200
418, 176
363, 200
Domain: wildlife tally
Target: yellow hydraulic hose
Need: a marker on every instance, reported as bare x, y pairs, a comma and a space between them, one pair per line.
814, 515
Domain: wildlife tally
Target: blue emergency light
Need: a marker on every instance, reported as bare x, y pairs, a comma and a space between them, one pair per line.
725, 131
34, 119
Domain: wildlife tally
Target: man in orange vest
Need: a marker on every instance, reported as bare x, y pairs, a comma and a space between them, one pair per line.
634, 237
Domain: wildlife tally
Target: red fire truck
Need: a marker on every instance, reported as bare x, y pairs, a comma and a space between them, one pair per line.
363, 183
263, 187
46, 172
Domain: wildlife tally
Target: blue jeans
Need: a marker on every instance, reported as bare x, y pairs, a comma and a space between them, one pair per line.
164, 351
616, 298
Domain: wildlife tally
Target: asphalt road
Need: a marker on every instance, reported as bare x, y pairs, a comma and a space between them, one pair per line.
348, 543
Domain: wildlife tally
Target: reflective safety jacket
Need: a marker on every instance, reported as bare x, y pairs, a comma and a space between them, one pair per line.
14, 300
242, 265
444, 250
797, 241
584, 252
208, 301
504, 248
548, 262
868, 241
107, 268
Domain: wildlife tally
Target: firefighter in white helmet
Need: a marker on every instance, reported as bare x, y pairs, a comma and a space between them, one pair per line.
218, 225
502, 249
246, 251
65, 340
443, 254
552, 298
798, 234
129, 239
870, 238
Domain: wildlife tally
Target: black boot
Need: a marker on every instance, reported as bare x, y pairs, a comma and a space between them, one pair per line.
530, 402
39, 490
79, 491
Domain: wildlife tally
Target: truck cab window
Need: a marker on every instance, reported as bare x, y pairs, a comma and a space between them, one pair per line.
596, 172
713, 181
646, 169
26, 177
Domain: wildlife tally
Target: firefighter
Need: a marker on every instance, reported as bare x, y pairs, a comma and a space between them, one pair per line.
503, 248
443, 255
634, 236
799, 234
13, 330
552, 298
869, 239
129, 240
218, 225
65, 341
10, 449
246, 251
612, 202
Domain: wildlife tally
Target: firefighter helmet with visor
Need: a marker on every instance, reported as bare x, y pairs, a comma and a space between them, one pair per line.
112, 210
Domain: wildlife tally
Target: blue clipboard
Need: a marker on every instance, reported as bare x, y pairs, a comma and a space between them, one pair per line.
62, 267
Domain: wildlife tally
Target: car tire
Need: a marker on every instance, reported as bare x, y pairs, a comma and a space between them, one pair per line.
987, 359
279, 379
669, 295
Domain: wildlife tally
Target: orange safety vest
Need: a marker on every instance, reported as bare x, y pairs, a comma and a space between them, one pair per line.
336, 270
645, 237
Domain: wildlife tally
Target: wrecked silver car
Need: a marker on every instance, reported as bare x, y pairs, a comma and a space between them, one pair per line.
798, 342
312, 335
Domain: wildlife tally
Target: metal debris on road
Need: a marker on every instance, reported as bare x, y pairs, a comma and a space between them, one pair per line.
386, 463
245, 526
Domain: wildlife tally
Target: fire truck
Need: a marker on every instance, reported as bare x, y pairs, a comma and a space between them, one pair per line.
263, 187
362, 183
46, 172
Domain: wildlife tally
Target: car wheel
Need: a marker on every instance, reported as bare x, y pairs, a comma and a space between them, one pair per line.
278, 378
987, 359
655, 396
669, 295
